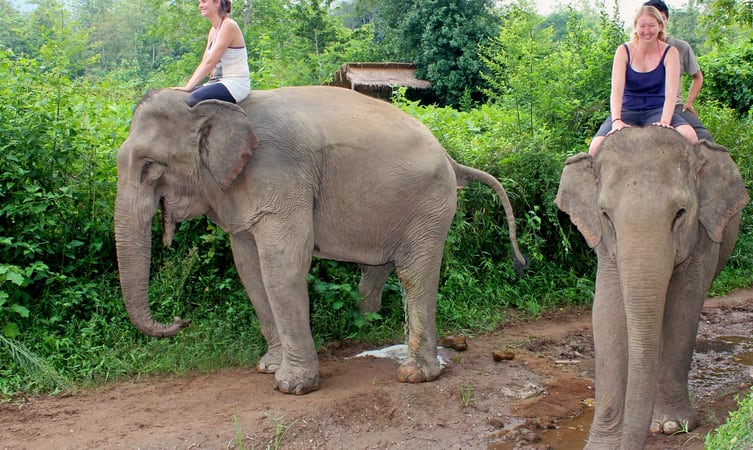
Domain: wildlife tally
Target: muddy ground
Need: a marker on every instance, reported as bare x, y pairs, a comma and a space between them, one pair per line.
539, 399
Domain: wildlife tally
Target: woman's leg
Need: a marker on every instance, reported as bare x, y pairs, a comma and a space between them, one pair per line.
604, 129
684, 128
688, 133
209, 91
595, 144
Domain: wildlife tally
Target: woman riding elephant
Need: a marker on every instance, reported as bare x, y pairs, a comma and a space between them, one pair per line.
645, 81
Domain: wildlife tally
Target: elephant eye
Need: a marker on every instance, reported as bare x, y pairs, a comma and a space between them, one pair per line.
151, 171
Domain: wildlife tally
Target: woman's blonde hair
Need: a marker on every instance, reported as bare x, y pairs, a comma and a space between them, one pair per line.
653, 12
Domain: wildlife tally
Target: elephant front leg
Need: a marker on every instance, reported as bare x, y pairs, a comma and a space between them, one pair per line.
610, 343
372, 283
247, 263
285, 248
420, 281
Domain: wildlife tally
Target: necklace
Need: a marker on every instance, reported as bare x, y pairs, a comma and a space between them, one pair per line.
645, 59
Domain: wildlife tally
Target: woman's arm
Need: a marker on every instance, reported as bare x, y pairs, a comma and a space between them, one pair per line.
227, 34
671, 85
619, 70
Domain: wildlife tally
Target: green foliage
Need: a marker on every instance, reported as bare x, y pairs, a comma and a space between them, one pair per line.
553, 87
11, 311
728, 21
737, 432
728, 76
441, 37
685, 24
725, 126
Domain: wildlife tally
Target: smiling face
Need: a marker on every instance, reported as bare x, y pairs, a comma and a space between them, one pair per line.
647, 27
648, 24
209, 8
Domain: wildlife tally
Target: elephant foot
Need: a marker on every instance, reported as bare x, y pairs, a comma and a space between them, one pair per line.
270, 362
297, 388
671, 427
681, 421
298, 380
412, 372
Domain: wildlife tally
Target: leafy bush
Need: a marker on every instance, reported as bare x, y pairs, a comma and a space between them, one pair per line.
728, 76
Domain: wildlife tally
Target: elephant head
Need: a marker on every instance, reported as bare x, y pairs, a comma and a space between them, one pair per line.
645, 202
174, 158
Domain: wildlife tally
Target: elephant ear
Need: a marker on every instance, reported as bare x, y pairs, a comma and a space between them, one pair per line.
722, 193
225, 139
577, 196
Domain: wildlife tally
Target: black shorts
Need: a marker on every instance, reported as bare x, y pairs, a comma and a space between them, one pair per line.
208, 91
640, 119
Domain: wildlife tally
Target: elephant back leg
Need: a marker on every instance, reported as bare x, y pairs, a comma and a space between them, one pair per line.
419, 273
371, 286
246, 260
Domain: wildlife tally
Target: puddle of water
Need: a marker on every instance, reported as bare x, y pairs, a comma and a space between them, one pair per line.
716, 345
744, 341
745, 358
740, 346
570, 434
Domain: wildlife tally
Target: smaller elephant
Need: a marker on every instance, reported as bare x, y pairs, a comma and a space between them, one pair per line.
662, 216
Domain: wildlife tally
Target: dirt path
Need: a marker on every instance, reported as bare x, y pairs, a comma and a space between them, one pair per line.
537, 400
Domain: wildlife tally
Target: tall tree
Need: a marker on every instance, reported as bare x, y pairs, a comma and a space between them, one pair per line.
441, 37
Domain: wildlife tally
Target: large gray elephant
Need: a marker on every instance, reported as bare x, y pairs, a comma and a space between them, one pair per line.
289, 174
662, 216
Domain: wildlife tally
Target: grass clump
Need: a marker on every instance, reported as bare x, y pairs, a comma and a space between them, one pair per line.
737, 432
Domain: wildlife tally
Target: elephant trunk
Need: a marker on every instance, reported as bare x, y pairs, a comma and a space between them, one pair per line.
645, 280
133, 245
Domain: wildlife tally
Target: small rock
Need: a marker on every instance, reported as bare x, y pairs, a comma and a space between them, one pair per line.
503, 355
496, 422
454, 342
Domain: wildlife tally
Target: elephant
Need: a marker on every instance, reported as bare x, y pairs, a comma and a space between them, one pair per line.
289, 174
662, 216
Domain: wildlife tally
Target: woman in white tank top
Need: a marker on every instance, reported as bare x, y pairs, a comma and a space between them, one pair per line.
225, 59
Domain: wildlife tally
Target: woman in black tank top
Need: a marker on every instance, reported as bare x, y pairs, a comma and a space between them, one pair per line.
645, 81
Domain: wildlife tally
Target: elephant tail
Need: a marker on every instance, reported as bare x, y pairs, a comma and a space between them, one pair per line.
464, 175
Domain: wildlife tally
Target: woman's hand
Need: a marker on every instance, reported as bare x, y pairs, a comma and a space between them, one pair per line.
617, 125
662, 124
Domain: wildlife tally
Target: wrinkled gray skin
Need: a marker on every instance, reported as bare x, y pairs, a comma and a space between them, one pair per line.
333, 174
662, 216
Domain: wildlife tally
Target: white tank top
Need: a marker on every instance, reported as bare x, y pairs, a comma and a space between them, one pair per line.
232, 72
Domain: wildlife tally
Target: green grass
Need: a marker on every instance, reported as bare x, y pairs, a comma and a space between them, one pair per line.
737, 432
